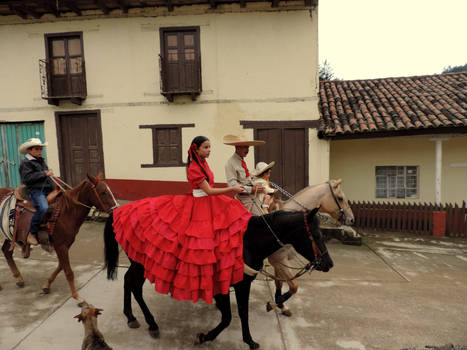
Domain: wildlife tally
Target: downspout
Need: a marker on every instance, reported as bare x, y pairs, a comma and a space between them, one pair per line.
438, 168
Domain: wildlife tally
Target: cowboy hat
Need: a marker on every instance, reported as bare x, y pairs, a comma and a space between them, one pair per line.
23, 149
262, 167
241, 140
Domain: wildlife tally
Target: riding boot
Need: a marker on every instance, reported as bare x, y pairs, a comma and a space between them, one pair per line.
32, 239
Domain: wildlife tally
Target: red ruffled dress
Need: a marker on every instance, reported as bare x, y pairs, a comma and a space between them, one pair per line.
190, 247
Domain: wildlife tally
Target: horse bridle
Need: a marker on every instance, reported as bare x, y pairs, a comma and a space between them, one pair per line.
340, 209
309, 266
94, 188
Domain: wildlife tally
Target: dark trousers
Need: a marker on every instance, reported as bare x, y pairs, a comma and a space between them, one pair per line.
39, 201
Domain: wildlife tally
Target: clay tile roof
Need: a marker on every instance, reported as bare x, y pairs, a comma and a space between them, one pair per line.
420, 103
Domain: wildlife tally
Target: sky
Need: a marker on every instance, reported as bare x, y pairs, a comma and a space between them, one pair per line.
366, 39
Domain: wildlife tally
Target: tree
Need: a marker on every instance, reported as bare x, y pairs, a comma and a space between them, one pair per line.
455, 69
325, 71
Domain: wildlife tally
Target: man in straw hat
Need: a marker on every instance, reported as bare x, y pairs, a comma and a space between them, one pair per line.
35, 174
236, 171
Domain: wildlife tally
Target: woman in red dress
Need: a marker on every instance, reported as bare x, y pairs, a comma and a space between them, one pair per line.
190, 245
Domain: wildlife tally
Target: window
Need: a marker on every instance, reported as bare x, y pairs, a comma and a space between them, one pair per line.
180, 62
166, 144
396, 181
62, 72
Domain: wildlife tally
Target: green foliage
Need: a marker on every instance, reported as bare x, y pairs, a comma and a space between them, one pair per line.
455, 69
325, 71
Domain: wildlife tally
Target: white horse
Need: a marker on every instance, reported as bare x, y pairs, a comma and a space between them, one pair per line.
331, 200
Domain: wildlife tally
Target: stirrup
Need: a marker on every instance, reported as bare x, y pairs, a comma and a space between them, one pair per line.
43, 237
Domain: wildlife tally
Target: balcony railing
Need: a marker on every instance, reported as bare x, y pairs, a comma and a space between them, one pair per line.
55, 88
191, 85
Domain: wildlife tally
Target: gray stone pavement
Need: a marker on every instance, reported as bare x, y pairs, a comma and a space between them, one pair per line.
392, 292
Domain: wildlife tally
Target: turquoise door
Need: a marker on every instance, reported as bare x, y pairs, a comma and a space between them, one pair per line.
12, 135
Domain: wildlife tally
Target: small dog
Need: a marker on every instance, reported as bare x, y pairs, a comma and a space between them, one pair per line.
93, 338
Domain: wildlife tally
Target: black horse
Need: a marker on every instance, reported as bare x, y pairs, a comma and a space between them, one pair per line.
263, 237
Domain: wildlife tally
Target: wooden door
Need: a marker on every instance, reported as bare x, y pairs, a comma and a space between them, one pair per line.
80, 145
288, 147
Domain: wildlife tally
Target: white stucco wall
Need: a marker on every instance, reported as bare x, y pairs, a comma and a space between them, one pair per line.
257, 64
355, 160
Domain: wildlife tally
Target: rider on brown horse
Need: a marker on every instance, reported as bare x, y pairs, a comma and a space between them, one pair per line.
35, 174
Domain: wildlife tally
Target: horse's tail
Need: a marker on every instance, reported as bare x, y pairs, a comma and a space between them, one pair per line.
111, 249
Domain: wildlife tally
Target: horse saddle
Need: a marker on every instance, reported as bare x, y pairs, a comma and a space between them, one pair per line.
16, 211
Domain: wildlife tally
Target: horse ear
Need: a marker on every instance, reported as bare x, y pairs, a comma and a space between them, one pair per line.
100, 176
315, 210
337, 183
79, 317
92, 179
96, 312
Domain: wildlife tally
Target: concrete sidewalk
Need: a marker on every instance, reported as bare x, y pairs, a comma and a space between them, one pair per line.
393, 292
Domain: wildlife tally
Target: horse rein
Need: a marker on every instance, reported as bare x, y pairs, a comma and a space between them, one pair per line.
340, 210
93, 186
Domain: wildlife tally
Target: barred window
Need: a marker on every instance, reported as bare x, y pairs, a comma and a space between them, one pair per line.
396, 181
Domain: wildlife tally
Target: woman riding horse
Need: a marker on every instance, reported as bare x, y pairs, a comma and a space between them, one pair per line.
193, 246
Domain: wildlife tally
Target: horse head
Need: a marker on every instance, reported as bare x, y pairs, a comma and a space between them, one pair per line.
307, 239
100, 195
335, 203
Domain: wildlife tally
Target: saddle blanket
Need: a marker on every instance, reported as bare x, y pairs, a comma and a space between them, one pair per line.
7, 216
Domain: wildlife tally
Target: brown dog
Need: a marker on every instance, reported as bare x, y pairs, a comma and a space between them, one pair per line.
93, 338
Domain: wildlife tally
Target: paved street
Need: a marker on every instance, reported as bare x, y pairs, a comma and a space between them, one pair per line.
392, 292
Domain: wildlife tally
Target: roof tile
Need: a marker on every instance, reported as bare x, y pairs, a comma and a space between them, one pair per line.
406, 103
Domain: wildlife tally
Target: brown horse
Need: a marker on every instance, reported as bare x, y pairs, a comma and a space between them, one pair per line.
74, 207
331, 200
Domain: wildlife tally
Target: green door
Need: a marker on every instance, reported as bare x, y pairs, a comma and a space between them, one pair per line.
12, 135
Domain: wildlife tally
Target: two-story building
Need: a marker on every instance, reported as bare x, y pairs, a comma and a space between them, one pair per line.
124, 86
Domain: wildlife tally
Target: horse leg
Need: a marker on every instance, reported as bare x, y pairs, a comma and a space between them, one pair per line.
52, 277
64, 261
242, 293
280, 298
11, 263
135, 283
223, 304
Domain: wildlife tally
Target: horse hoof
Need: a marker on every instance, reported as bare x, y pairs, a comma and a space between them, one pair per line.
253, 345
133, 324
286, 312
45, 290
20, 284
154, 332
82, 303
268, 306
200, 338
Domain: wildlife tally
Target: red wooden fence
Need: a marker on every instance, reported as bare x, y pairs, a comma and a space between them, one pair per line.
409, 217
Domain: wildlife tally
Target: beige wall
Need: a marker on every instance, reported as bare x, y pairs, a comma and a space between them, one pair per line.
354, 161
256, 65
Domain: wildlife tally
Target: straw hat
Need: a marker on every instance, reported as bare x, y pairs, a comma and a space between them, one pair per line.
23, 149
262, 167
241, 140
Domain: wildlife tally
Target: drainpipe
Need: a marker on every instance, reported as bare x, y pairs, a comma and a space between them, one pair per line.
438, 168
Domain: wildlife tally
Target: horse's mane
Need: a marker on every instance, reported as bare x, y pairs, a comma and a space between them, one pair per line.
70, 197
271, 217
305, 189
